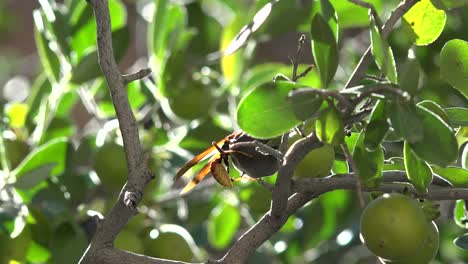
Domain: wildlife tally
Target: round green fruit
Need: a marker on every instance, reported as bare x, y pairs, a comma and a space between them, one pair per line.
169, 244
316, 163
428, 250
394, 227
111, 166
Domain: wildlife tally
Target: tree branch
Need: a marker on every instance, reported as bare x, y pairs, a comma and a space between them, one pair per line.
128, 78
365, 61
138, 173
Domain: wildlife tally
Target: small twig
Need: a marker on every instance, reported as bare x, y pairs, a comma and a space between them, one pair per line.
305, 72
365, 61
265, 184
353, 166
128, 78
364, 91
295, 60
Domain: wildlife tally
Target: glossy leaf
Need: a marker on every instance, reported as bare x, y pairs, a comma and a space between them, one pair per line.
458, 115
324, 49
462, 241
265, 112
457, 176
418, 171
239, 40
222, 225
306, 105
52, 152
164, 32
425, 21
49, 59
329, 126
329, 14
351, 15
260, 74
436, 109
460, 214
88, 68
405, 120
35, 176
375, 133
232, 64
383, 53
408, 75
453, 64
368, 163
438, 145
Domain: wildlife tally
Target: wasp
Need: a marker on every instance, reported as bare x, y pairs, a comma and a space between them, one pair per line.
245, 157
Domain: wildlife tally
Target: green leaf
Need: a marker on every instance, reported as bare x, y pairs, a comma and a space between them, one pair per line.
49, 59
88, 68
329, 126
305, 105
459, 214
324, 49
260, 74
37, 253
222, 225
382, 52
394, 163
34, 177
377, 128
453, 64
53, 151
417, 170
67, 243
425, 21
457, 176
265, 112
232, 64
449, 4
39, 90
164, 31
16, 113
329, 14
438, 145
375, 133
458, 115
436, 109
408, 74
405, 120
351, 15
462, 241
368, 163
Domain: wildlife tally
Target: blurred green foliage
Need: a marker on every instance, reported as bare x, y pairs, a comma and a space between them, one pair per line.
61, 153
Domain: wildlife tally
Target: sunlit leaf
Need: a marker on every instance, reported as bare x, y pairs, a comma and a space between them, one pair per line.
52, 152
455, 175
460, 214
329, 126
425, 21
458, 115
417, 170
265, 112
305, 105
324, 49
383, 53
222, 225
453, 64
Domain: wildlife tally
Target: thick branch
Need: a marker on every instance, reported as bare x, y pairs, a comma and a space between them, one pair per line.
366, 59
292, 158
138, 173
263, 230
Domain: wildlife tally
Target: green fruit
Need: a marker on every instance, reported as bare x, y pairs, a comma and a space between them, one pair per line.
170, 244
316, 163
427, 252
129, 240
394, 227
111, 166
16, 151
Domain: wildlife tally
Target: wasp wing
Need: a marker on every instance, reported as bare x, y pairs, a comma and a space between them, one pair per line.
200, 175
